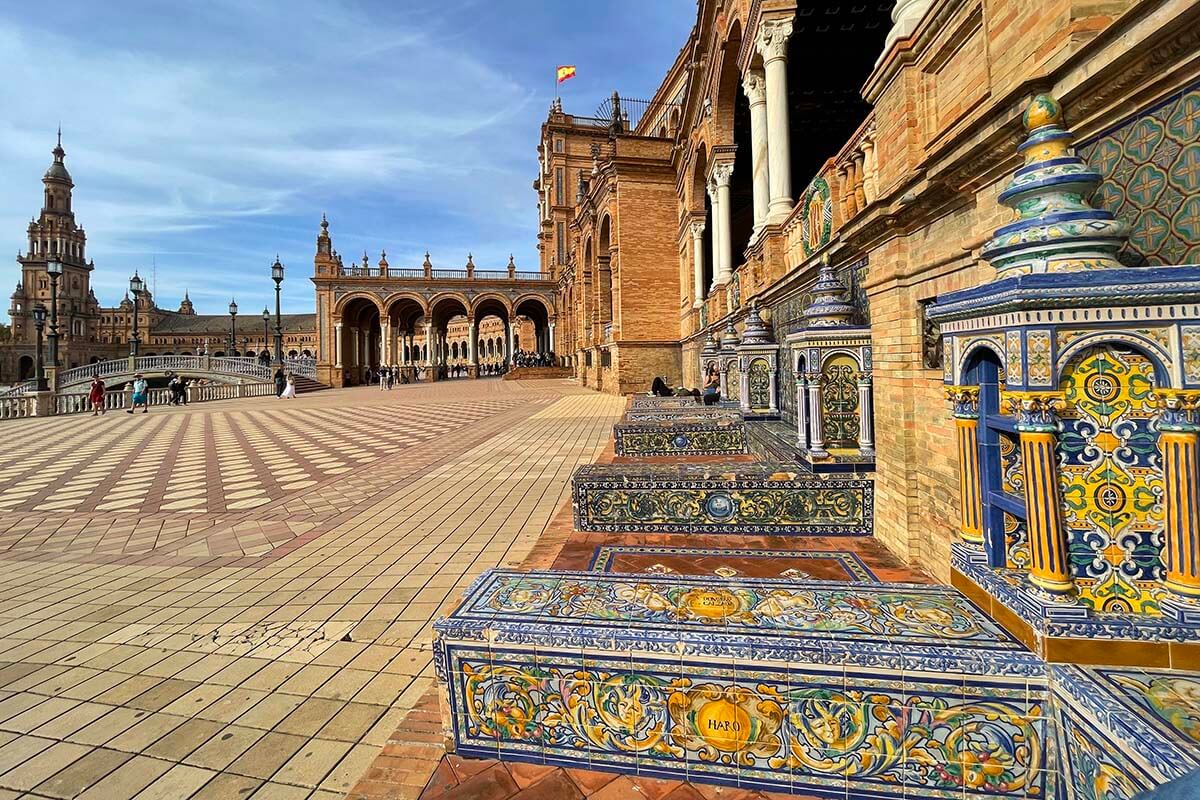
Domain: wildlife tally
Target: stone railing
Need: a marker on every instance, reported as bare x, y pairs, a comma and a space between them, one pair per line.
242, 367
65, 403
443, 274
17, 406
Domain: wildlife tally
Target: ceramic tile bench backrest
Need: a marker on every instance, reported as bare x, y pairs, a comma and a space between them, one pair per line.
752, 498
681, 414
692, 436
650, 401
882, 691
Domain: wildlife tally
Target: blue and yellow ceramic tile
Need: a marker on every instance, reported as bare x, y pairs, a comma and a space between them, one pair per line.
1111, 480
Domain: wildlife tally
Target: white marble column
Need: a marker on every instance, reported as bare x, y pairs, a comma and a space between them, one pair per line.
714, 200
722, 175
430, 347
755, 87
337, 344
816, 419
356, 351
801, 411
772, 44
385, 341
697, 229
472, 342
551, 335
866, 428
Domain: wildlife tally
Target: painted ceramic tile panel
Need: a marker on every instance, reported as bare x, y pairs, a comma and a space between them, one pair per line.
1092, 767
854, 567
714, 437
803, 727
1016, 534
1151, 169
839, 401
1111, 480
1167, 699
733, 498
826, 610
650, 401
759, 380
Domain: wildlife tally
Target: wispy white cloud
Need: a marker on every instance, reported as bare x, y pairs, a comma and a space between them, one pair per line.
214, 134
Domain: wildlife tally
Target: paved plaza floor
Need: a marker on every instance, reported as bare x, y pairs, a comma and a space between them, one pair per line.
233, 600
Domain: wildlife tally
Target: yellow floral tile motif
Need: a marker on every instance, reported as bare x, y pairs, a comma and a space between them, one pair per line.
1111, 479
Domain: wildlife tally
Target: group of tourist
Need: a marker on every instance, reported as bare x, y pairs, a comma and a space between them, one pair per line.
711, 393
528, 358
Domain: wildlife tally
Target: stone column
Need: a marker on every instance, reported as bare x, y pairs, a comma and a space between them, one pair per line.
970, 484
1037, 426
429, 344
772, 45
722, 174
715, 202
1179, 444
472, 343
550, 336
510, 342
816, 417
866, 421
755, 87
356, 350
801, 410
697, 229
337, 344
851, 188
385, 341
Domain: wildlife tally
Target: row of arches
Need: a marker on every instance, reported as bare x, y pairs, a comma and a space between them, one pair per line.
408, 330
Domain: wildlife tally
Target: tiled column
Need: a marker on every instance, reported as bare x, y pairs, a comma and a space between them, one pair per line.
970, 484
801, 410
1037, 425
816, 417
1179, 443
337, 344
697, 229
772, 44
866, 422
722, 175
755, 86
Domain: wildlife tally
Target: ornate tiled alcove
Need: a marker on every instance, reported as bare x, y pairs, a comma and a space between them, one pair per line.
831, 361
758, 366
1074, 382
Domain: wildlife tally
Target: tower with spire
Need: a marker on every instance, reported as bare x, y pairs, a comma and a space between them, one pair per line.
55, 235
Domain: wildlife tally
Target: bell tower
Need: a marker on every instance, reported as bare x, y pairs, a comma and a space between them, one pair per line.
55, 236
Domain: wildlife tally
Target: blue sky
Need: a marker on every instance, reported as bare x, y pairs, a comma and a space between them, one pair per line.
208, 136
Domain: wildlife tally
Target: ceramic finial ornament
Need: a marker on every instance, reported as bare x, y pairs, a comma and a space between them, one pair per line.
829, 307
756, 331
1057, 229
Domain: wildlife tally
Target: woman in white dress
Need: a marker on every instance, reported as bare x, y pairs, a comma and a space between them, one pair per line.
289, 391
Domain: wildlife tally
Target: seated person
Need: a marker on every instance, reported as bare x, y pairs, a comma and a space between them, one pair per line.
712, 387
660, 389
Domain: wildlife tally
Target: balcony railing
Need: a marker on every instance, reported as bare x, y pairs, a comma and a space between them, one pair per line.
443, 274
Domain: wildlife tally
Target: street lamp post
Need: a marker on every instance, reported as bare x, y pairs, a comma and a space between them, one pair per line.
232, 324
136, 284
54, 267
266, 330
39, 375
277, 276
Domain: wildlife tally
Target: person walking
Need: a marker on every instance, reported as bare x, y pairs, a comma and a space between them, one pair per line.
289, 389
96, 396
141, 395
383, 378
280, 382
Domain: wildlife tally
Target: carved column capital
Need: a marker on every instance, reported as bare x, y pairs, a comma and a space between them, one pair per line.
773, 35
722, 173
965, 400
754, 83
1177, 411
1036, 412
696, 228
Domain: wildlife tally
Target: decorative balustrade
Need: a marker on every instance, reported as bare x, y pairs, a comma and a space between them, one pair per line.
17, 406
855, 168
443, 274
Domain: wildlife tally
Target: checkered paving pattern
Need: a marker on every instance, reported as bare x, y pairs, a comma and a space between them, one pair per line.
161, 637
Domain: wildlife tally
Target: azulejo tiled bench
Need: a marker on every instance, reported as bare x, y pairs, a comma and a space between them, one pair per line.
672, 437
680, 414
650, 401
815, 687
1126, 729
752, 498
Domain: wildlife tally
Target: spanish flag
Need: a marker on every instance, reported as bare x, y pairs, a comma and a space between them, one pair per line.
565, 73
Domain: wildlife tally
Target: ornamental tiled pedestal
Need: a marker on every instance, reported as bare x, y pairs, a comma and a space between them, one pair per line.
817, 688
689, 436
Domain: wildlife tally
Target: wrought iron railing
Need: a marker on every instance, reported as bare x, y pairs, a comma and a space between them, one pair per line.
630, 113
